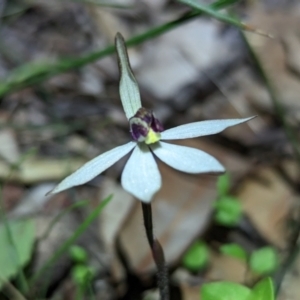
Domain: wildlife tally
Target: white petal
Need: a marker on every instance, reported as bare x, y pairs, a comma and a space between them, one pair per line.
186, 159
129, 90
201, 128
141, 176
94, 167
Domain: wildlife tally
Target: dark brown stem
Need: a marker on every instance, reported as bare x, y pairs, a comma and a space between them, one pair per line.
157, 253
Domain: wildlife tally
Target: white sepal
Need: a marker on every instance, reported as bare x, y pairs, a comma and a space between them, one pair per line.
94, 167
129, 90
201, 128
141, 176
186, 159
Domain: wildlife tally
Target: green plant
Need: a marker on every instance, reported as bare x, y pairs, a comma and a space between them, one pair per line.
263, 290
69, 242
196, 257
16, 247
264, 261
228, 209
261, 262
225, 290
82, 273
234, 250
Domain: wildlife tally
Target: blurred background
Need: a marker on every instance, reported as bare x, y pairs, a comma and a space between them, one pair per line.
60, 107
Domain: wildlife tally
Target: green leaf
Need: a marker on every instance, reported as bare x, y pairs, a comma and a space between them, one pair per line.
234, 250
82, 274
263, 290
228, 211
78, 254
224, 291
196, 257
75, 205
223, 184
264, 261
16, 255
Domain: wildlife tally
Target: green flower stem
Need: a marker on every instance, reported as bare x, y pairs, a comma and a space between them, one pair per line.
34, 73
157, 252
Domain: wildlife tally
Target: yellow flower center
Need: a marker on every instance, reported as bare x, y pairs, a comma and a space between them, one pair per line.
152, 137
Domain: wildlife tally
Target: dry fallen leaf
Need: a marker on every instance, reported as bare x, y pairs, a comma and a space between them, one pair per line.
37, 170
291, 44
267, 200
33, 201
9, 150
228, 268
171, 63
112, 220
275, 57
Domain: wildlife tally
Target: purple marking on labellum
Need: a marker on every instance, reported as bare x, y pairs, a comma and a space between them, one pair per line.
156, 125
138, 131
142, 122
144, 115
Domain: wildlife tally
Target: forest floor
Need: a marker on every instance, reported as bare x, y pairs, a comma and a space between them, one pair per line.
57, 112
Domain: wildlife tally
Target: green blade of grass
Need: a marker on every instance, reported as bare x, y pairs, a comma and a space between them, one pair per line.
66, 245
34, 73
61, 215
106, 4
214, 13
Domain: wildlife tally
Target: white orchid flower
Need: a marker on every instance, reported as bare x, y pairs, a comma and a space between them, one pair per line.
141, 176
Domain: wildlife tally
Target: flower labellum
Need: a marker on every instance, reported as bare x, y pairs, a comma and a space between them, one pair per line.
141, 176
145, 127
